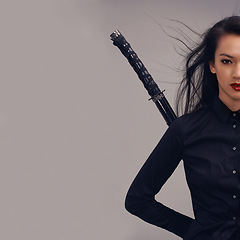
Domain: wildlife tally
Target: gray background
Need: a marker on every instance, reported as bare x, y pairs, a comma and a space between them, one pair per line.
75, 122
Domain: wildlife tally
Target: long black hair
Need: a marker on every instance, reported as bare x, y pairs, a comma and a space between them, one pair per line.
199, 85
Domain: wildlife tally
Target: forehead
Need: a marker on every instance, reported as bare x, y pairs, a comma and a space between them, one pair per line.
229, 44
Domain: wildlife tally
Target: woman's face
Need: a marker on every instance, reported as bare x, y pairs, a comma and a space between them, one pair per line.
226, 66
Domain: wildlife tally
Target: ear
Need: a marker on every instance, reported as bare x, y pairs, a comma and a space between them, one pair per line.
212, 67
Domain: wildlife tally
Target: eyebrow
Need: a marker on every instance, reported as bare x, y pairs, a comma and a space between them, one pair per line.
226, 55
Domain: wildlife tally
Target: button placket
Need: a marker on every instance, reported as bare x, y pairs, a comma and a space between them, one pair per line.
234, 124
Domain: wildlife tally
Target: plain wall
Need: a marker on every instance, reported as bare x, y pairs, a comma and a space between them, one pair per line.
76, 124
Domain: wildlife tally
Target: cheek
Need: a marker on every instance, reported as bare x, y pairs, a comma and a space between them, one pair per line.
220, 79
222, 74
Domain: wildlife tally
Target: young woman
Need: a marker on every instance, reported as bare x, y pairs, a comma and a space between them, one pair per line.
207, 138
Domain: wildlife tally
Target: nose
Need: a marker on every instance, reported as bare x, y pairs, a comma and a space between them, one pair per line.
236, 71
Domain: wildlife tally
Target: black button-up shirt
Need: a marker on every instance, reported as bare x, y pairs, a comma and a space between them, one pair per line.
208, 141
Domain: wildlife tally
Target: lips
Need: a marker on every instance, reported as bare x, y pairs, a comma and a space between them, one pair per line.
235, 86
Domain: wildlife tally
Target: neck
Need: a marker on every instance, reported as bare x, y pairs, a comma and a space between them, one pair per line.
232, 105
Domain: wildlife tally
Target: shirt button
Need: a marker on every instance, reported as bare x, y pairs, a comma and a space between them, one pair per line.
234, 126
234, 171
234, 148
234, 196
234, 114
234, 218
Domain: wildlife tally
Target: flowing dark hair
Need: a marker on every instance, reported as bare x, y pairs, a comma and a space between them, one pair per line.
199, 85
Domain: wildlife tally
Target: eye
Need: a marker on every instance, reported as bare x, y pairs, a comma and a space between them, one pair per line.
226, 61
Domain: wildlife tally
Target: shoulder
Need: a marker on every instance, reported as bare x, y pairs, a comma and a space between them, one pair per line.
193, 121
196, 116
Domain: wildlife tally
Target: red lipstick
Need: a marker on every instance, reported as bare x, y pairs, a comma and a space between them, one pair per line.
235, 86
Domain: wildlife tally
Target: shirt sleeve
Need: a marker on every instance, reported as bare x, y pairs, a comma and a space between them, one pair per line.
160, 165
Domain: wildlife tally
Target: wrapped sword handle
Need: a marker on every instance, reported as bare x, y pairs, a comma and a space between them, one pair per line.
153, 90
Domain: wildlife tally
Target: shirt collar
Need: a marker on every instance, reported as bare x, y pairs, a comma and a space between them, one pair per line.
221, 110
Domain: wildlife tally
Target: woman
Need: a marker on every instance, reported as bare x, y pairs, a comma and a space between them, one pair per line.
207, 138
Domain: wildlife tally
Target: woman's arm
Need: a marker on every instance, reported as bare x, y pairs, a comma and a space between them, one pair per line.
140, 199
